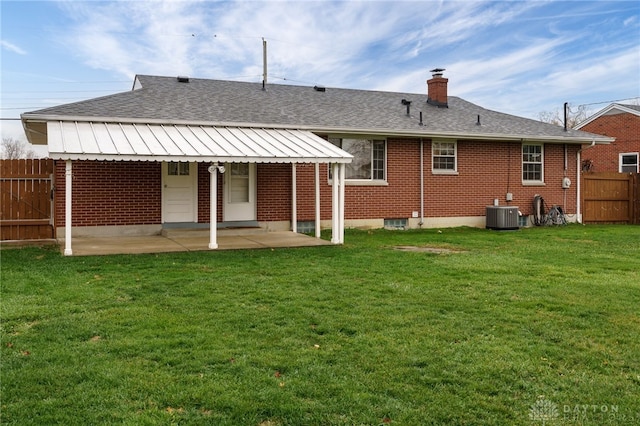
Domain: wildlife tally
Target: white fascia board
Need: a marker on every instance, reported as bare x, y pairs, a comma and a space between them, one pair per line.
576, 140
334, 130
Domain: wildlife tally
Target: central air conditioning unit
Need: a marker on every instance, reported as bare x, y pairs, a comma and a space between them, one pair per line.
502, 218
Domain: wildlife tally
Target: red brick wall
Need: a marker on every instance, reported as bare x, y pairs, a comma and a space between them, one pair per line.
130, 193
274, 192
625, 128
110, 193
396, 200
204, 183
488, 170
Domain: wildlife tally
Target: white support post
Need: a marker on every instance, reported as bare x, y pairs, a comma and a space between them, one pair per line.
294, 199
343, 173
213, 207
67, 208
335, 208
317, 184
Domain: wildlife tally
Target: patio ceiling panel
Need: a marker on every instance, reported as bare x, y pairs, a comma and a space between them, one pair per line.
127, 141
152, 143
242, 148
219, 145
203, 147
86, 139
264, 139
137, 143
165, 140
304, 142
181, 143
119, 138
70, 138
103, 139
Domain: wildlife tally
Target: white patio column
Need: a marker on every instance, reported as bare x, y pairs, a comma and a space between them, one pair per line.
335, 207
343, 173
317, 184
213, 206
294, 199
68, 173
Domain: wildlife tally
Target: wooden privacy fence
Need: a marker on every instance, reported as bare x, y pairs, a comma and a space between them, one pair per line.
610, 198
25, 199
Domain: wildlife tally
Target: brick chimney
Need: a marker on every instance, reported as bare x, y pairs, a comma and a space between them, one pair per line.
437, 89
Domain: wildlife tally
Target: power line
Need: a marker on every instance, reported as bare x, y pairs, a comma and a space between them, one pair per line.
68, 82
62, 91
610, 102
25, 107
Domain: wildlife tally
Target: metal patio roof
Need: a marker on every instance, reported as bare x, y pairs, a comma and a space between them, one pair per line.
119, 141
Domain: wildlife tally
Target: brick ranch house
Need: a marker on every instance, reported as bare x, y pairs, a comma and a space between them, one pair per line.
294, 157
621, 122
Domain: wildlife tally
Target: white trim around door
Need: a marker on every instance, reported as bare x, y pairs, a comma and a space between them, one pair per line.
179, 192
240, 194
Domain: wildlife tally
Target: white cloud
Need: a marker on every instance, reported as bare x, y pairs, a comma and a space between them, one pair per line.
630, 21
134, 37
516, 57
12, 47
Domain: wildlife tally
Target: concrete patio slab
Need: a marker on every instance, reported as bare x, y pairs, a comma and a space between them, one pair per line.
188, 241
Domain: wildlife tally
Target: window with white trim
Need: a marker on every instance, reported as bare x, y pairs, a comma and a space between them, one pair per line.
444, 157
629, 162
369, 158
532, 163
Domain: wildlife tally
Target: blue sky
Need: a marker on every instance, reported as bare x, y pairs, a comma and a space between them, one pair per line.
517, 57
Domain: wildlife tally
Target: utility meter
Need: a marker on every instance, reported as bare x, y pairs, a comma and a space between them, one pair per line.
566, 183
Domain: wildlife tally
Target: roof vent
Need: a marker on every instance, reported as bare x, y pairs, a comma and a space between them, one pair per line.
408, 104
319, 88
183, 79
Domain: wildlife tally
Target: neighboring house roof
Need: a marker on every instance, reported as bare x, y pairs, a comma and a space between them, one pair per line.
611, 109
165, 100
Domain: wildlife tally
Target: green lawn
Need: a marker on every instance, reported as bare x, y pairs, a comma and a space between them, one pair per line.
527, 327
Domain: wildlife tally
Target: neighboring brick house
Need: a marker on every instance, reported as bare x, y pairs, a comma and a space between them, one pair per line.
296, 158
621, 122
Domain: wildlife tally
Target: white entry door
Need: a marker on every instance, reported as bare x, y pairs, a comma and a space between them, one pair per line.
179, 192
239, 192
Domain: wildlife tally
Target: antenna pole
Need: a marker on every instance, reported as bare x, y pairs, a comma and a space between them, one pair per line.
264, 63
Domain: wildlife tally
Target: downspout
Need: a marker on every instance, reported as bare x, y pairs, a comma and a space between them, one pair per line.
564, 175
421, 183
578, 186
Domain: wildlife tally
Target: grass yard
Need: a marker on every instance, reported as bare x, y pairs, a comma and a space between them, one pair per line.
537, 326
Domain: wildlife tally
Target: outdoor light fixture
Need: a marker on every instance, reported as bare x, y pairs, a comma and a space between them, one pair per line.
212, 168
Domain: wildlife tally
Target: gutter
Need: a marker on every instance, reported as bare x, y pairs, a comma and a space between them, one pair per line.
329, 130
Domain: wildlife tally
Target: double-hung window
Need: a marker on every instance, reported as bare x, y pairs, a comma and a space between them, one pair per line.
369, 158
532, 163
629, 162
444, 157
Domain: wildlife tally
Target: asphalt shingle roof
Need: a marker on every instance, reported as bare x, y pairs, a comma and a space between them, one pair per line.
242, 103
